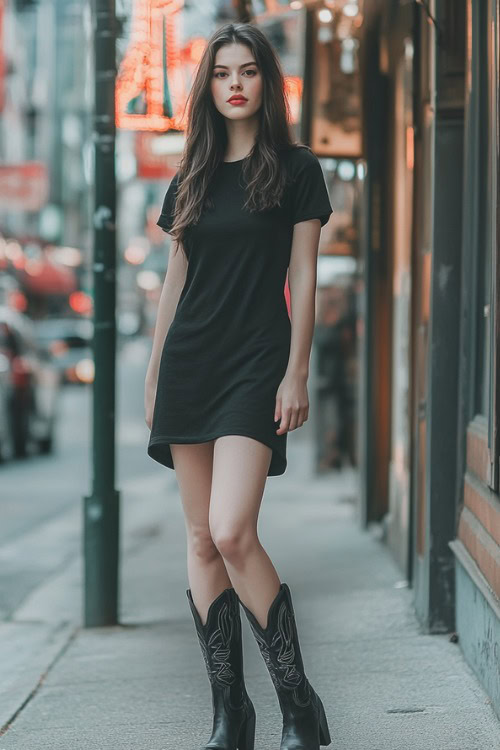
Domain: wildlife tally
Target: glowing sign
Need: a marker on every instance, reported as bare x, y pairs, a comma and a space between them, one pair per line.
150, 88
293, 90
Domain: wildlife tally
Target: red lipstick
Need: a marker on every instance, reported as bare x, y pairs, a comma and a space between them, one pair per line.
237, 99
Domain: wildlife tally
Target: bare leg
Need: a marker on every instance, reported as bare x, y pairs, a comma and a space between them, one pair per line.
207, 574
240, 467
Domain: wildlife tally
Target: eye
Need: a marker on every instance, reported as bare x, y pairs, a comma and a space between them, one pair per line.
223, 73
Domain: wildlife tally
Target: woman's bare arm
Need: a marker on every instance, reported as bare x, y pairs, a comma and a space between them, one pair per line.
292, 400
302, 279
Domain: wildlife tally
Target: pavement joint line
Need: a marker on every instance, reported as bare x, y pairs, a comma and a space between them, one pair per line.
8, 724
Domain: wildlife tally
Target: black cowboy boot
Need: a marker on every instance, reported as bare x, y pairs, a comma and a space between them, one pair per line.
304, 721
221, 646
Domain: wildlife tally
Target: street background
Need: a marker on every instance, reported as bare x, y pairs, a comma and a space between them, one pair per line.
386, 524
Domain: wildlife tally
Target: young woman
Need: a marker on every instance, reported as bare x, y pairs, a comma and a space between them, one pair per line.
227, 379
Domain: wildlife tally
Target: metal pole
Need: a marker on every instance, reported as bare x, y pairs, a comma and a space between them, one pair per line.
101, 508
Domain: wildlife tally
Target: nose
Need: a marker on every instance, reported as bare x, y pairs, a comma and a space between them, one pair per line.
235, 82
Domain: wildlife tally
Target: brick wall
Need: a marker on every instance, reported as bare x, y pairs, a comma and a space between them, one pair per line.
479, 523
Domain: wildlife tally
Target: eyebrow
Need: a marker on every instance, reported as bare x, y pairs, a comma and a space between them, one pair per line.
244, 65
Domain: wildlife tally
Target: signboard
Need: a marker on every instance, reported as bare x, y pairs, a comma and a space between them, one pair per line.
152, 163
151, 89
24, 187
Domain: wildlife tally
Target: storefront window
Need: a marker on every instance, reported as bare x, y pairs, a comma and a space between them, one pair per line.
336, 93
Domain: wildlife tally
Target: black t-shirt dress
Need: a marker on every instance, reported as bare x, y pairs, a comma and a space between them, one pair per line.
227, 348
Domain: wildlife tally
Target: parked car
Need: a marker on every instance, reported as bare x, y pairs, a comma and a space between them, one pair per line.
69, 340
33, 383
6, 395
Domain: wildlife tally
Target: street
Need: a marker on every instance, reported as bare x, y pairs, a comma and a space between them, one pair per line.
41, 497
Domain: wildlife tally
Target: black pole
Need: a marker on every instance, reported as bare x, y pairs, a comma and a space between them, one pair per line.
101, 508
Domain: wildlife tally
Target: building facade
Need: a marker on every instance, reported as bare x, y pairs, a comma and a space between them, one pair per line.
428, 428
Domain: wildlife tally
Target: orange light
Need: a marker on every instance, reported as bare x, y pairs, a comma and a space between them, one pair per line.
410, 149
18, 301
84, 370
293, 90
196, 50
80, 302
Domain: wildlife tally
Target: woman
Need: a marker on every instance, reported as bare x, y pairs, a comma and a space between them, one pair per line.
227, 379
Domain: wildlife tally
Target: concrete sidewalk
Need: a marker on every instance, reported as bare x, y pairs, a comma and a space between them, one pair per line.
143, 685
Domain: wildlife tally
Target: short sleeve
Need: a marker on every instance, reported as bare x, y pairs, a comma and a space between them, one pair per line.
166, 218
310, 199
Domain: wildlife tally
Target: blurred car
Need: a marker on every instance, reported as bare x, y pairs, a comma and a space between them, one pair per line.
31, 382
69, 341
6, 394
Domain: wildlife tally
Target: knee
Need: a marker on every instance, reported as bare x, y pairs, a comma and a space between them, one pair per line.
234, 545
202, 545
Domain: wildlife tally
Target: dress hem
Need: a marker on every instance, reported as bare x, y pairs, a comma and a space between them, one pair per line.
277, 460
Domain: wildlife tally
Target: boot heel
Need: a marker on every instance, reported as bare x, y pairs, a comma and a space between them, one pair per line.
324, 732
246, 740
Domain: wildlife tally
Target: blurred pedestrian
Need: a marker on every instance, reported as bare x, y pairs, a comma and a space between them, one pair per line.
334, 339
227, 378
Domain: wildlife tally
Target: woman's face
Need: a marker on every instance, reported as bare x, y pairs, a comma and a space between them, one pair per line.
235, 73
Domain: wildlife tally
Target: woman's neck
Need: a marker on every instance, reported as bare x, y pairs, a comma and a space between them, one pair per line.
241, 136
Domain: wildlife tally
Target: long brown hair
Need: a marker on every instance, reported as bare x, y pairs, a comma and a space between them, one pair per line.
206, 137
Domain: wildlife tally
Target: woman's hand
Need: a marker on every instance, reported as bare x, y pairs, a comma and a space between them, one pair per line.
149, 398
292, 403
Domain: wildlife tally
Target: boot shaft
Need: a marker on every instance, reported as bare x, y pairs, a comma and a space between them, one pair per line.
279, 642
221, 644
304, 718
220, 640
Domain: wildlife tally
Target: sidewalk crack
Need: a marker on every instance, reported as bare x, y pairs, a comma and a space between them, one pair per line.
8, 725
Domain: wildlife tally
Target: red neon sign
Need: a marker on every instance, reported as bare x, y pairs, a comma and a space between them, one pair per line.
150, 90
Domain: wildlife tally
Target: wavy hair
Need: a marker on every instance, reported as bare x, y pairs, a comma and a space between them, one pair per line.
206, 136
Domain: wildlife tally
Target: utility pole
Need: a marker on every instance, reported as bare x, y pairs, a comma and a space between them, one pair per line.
101, 508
